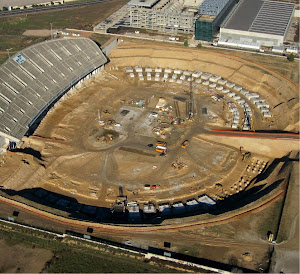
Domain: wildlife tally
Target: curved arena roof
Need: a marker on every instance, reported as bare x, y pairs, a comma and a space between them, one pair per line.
38, 75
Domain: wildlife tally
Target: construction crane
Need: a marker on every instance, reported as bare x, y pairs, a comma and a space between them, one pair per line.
177, 113
252, 123
190, 104
249, 120
101, 122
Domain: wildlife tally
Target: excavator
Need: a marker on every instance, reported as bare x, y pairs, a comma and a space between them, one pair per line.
245, 154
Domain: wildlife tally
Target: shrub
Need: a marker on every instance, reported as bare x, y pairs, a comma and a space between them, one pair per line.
291, 57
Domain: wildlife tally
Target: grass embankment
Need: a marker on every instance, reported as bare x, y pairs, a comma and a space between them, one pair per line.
270, 219
16, 44
85, 18
78, 256
101, 39
290, 213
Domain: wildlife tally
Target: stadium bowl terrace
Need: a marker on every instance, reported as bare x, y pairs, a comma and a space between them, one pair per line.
136, 142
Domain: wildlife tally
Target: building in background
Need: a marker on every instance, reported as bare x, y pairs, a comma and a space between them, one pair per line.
256, 21
212, 14
169, 16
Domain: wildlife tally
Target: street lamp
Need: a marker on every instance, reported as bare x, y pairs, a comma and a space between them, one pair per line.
8, 52
51, 31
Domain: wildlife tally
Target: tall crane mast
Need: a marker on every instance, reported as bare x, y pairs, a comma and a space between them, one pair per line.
190, 104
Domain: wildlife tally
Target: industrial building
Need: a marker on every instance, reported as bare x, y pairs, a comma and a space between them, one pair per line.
212, 14
36, 77
256, 21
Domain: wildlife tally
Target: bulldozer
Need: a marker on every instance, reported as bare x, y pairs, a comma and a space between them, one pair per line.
185, 144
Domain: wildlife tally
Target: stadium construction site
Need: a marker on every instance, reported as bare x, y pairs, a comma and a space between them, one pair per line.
160, 137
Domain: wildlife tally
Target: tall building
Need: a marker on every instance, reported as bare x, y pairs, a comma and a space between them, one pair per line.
212, 14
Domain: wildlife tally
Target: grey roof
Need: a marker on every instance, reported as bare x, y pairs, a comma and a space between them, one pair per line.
244, 15
37, 75
143, 3
212, 7
206, 200
270, 17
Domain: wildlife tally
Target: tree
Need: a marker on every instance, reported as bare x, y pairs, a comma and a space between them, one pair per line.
291, 57
186, 43
199, 46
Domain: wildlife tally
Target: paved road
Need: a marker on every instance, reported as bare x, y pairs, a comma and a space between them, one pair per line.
41, 8
249, 134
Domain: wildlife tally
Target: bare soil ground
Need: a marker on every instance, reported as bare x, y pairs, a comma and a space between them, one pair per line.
252, 73
81, 161
38, 32
241, 241
78, 162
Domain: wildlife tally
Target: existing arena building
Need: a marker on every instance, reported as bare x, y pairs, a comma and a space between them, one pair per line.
35, 78
257, 21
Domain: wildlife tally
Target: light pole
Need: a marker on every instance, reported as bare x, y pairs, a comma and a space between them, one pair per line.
8, 52
51, 31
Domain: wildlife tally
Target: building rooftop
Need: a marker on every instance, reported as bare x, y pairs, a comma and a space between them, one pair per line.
212, 7
270, 17
36, 76
143, 3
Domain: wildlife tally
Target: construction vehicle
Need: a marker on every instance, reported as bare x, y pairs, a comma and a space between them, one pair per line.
118, 207
245, 154
185, 144
161, 147
161, 143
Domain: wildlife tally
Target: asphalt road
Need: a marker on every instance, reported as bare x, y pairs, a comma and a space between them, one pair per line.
251, 134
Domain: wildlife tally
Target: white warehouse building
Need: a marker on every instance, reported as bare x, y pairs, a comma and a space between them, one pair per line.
256, 21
